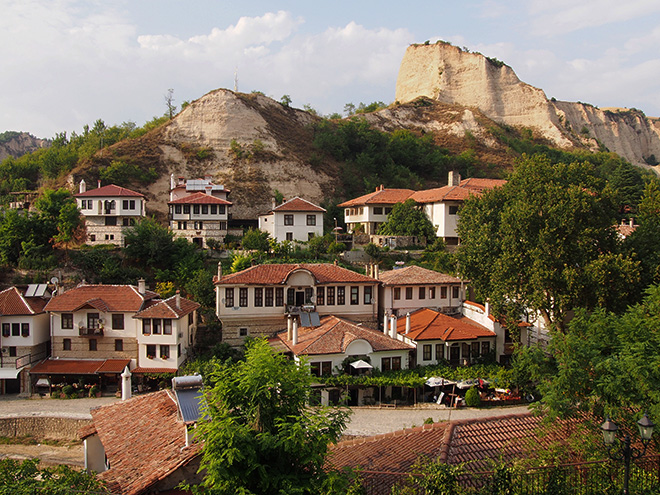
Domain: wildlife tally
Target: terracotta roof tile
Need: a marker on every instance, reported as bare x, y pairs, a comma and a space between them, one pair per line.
298, 204
125, 298
79, 366
416, 275
168, 308
324, 273
14, 303
199, 198
335, 335
144, 440
426, 324
479, 185
109, 190
446, 193
380, 197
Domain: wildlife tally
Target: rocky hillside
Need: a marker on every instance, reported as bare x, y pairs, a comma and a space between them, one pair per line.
19, 143
447, 74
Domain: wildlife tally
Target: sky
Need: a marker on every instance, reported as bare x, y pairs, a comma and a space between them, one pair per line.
67, 63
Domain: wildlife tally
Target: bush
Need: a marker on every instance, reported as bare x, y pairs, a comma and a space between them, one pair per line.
472, 398
68, 390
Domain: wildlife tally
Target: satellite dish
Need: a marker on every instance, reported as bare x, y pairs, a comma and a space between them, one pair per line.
54, 280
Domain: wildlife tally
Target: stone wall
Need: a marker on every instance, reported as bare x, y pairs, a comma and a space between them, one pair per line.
42, 427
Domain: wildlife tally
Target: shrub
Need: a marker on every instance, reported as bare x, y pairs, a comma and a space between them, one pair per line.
428, 421
68, 390
472, 398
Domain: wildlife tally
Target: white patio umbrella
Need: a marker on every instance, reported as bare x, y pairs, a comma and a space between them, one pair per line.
438, 381
360, 364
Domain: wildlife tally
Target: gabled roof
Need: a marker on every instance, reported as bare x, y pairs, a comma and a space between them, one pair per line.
298, 204
478, 185
426, 324
109, 191
168, 308
440, 194
416, 275
14, 303
324, 273
334, 336
199, 198
106, 298
380, 197
144, 441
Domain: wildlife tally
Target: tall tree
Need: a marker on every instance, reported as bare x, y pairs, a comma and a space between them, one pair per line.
408, 219
260, 436
546, 241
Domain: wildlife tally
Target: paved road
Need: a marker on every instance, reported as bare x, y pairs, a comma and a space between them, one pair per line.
363, 421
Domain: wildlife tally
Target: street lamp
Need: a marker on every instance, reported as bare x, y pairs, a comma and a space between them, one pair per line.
626, 452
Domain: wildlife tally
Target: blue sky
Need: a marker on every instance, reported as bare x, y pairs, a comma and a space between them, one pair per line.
66, 63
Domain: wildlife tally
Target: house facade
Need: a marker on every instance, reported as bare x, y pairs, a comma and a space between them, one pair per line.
25, 337
366, 213
199, 217
263, 299
108, 211
406, 289
294, 220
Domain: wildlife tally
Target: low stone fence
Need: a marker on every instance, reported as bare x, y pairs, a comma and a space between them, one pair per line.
53, 428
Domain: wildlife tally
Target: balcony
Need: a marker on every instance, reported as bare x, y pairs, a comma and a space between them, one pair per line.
90, 332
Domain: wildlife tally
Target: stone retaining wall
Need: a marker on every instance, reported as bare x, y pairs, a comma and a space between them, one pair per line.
42, 427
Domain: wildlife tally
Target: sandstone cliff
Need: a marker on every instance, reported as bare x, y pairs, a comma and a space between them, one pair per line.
20, 143
450, 75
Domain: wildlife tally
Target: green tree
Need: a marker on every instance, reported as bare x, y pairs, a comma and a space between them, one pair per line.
408, 219
545, 241
256, 239
286, 100
644, 242
26, 478
150, 244
261, 437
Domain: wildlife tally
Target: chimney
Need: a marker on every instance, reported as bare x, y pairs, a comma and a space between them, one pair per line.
142, 287
407, 323
393, 326
83, 186
294, 332
126, 384
289, 328
219, 270
98, 184
454, 178
273, 203
632, 222
172, 183
376, 271
178, 299
386, 320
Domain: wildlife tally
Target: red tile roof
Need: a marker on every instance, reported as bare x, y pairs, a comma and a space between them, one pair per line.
446, 193
144, 441
380, 197
142, 369
479, 185
14, 303
335, 335
416, 275
109, 190
79, 366
324, 273
107, 298
168, 309
426, 324
298, 204
199, 198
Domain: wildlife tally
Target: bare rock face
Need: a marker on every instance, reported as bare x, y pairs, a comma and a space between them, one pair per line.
19, 144
450, 75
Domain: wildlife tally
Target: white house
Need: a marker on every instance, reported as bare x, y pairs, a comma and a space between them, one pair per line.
366, 213
25, 337
199, 217
108, 210
180, 188
263, 299
294, 220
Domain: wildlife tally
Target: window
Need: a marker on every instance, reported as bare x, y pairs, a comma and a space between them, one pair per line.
259, 297
311, 219
320, 296
422, 292
229, 297
177, 209
156, 326
388, 210
25, 329
485, 348
191, 318
164, 351
331, 296
128, 204
221, 209
242, 332
439, 352
409, 292
455, 292
378, 210
269, 296
243, 297
309, 294
119, 345
386, 364
475, 349
397, 293
453, 209
182, 225
12, 351
288, 219
117, 321
93, 344
167, 326
321, 368
146, 327
66, 344
279, 296
426, 352
186, 209
367, 295
355, 295
178, 350
214, 209
443, 292
195, 209
291, 296
15, 329
199, 225
205, 209
310, 236
110, 221
341, 296
93, 321
6, 329
289, 236
151, 351
431, 292
396, 363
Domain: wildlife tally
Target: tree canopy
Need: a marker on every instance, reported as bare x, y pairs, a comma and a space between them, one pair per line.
408, 219
546, 241
26, 478
261, 437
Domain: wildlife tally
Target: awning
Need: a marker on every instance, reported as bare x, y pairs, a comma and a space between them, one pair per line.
9, 373
79, 366
114, 366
